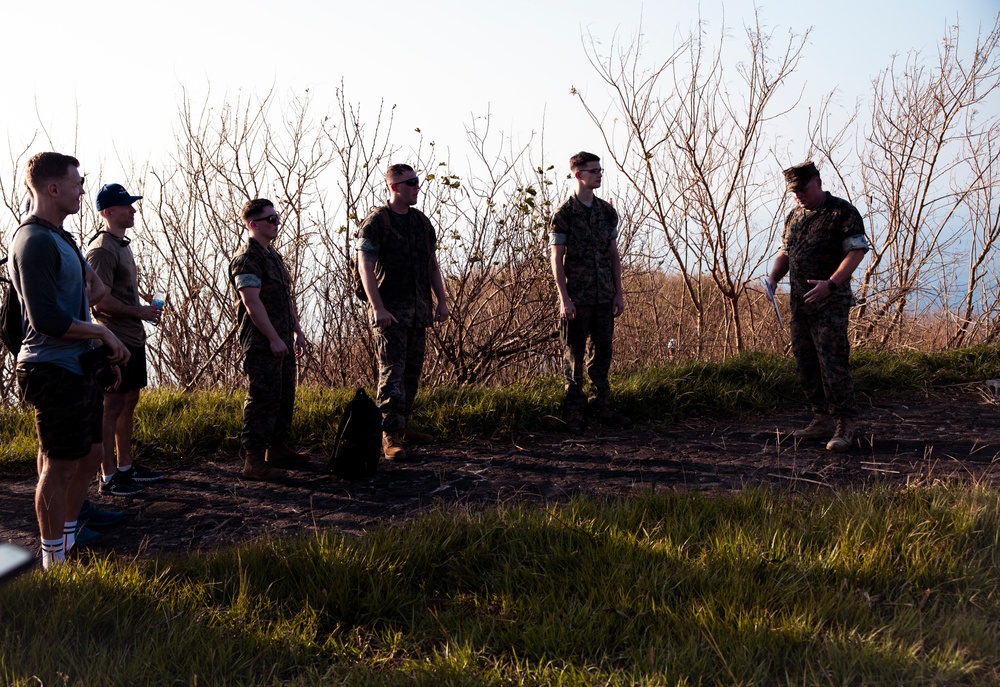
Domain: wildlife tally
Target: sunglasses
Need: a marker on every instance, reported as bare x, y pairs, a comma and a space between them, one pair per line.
410, 182
270, 219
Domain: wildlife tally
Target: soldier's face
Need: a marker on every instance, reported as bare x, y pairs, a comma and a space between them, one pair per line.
121, 216
267, 225
69, 190
591, 175
407, 187
811, 196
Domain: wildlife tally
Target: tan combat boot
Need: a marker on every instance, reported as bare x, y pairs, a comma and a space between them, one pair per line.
412, 436
822, 427
844, 436
392, 447
284, 458
255, 467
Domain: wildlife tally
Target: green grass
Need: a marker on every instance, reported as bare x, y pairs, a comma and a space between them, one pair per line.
861, 587
172, 424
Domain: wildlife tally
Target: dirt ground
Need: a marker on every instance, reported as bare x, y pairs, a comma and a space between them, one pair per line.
205, 503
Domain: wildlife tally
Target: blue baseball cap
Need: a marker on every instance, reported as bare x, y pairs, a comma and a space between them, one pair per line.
113, 195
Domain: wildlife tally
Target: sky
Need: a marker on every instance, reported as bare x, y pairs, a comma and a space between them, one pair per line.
104, 81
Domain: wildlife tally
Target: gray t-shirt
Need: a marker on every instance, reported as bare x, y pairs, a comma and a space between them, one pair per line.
48, 277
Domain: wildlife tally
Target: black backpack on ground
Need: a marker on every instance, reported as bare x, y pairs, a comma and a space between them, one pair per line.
359, 439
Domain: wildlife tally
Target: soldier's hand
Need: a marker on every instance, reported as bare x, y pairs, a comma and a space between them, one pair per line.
278, 348
567, 310
820, 290
618, 304
383, 318
301, 345
441, 314
119, 352
150, 313
118, 378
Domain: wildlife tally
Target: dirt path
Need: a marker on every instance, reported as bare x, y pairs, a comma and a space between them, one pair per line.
206, 504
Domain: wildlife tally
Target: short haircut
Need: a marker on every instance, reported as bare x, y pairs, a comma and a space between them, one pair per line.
45, 168
582, 158
253, 208
397, 170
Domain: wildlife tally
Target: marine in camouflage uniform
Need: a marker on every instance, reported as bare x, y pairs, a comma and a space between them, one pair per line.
823, 243
587, 271
269, 333
397, 259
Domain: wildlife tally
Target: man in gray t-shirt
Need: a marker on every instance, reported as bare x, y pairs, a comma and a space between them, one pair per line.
54, 287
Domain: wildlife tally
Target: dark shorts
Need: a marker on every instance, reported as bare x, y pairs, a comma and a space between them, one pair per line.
133, 374
69, 409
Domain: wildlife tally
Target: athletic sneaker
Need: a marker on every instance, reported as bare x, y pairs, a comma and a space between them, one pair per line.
138, 473
98, 517
85, 537
120, 485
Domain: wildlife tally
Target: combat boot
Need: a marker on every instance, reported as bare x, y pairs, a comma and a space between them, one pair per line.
575, 422
255, 467
610, 418
844, 436
392, 447
284, 458
412, 436
822, 427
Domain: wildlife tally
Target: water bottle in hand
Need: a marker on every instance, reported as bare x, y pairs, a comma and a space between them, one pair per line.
159, 298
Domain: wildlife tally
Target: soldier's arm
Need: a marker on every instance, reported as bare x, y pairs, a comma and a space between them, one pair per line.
778, 270
301, 345
258, 315
822, 288
366, 268
567, 309
437, 284
618, 304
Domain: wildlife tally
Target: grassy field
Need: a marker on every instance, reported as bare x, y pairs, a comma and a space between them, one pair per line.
862, 586
872, 587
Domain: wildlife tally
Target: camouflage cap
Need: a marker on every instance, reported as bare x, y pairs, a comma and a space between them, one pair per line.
798, 176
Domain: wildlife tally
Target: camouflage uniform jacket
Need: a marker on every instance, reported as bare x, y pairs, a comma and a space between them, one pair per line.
403, 247
816, 242
263, 268
588, 234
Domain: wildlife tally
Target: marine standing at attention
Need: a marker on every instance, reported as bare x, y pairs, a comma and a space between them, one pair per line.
271, 340
397, 261
587, 270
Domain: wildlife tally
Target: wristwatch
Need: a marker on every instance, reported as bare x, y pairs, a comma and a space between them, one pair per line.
832, 284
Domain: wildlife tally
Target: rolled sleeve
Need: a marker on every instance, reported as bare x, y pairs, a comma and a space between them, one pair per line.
367, 247
558, 238
247, 281
855, 242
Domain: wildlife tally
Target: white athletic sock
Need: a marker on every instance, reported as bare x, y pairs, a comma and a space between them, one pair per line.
69, 536
124, 468
53, 552
107, 478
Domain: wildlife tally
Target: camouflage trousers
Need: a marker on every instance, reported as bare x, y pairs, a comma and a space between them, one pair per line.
822, 359
400, 353
270, 402
597, 323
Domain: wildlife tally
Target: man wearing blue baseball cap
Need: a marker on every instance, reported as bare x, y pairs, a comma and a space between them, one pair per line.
121, 311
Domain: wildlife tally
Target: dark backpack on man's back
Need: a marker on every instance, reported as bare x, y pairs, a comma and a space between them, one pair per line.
359, 439
11, 326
